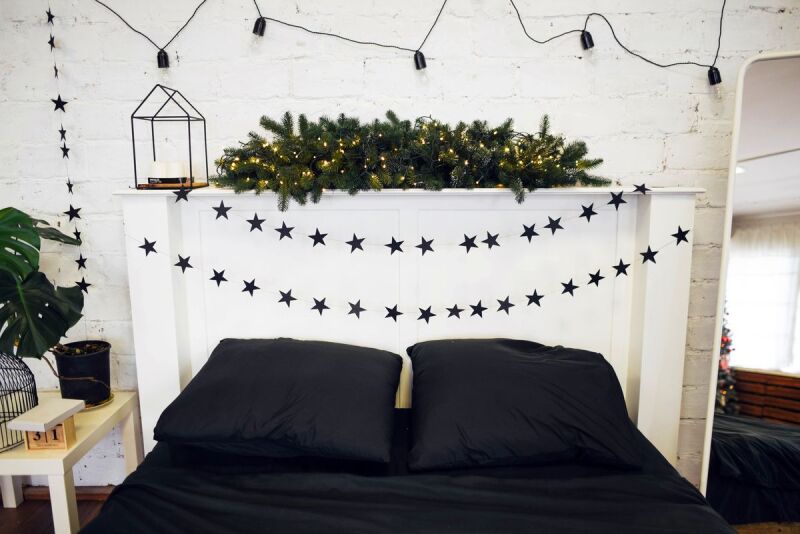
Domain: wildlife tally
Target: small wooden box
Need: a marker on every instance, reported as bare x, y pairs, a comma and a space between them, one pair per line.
49, 426
60, 437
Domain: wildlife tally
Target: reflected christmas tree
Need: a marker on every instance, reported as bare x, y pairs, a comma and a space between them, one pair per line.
727, 401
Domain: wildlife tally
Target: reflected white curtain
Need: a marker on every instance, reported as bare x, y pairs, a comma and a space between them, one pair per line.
762, 294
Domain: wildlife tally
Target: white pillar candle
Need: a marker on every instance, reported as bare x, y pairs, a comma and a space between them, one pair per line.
169, 169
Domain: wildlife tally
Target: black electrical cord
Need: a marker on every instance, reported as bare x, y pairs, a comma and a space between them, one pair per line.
356, 41
145, 36
621, 45
583, 31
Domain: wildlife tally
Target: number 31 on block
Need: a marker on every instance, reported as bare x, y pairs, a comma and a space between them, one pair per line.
61, 436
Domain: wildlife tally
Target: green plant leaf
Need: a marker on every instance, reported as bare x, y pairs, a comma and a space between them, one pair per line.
19, 243
54, 234
35, 315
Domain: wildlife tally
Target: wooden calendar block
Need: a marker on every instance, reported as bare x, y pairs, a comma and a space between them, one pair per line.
60, 437
49, 426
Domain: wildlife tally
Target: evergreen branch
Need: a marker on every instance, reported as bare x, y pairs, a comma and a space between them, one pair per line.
345, 154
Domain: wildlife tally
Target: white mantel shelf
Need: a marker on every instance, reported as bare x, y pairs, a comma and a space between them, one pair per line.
212, 191
638, 322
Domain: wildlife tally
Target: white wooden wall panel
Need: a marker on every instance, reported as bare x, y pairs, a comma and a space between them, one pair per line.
638, 322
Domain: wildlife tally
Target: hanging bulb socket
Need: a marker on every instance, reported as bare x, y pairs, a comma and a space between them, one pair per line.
260, 26
714, 77
586, 40
419, 60
163, 59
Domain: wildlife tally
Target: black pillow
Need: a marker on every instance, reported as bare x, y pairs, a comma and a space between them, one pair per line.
288, 398
498, 402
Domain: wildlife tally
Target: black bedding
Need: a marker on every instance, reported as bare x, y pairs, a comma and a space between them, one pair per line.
754, 472
570, 497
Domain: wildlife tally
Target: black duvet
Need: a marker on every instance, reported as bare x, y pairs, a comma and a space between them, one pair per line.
163, 497
754, 472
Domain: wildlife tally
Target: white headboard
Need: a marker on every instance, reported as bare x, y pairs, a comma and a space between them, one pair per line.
637, 321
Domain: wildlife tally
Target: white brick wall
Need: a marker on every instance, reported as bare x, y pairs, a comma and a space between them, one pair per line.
664, 127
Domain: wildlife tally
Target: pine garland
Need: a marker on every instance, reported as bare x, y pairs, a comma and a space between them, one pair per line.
347, 155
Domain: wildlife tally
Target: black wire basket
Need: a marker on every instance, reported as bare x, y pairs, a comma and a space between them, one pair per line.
17, 396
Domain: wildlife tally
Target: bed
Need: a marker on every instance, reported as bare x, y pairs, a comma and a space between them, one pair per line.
754, 471
162, 497
554, 451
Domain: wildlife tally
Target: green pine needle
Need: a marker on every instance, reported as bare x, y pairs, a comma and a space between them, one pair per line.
345, 154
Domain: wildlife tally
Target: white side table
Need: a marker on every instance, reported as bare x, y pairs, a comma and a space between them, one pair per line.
90, 427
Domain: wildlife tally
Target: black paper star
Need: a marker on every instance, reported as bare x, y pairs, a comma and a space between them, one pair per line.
73, 212
595, 278
50, 16
469, 242
286, 297
320, 306
649, 255
621, 268
83, 285
355, 243
69, 186
183, 263
529, 232
425, 315
534, 298
222, 210
616, 200
455, 311
52, 42
394, 246
285, 231
63, 133
77, 234
55, 71
569, 287
643, 189
59, 103
505, 305
250, 286
148, 247
554, 224
64, 151
255, 222
181, 194
219, 276
81, 261
356, 309
319, 239
477, 309
680, 236
588, 212
425, 246
392, 313
491, 240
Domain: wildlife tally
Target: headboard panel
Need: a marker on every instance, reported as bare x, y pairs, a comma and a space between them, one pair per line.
638, 322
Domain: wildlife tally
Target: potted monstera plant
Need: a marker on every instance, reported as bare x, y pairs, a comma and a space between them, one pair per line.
35, 314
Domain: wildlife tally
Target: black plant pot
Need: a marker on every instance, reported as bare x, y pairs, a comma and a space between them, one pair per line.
85, 376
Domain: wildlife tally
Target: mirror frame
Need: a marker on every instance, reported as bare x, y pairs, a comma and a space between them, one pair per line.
726, 238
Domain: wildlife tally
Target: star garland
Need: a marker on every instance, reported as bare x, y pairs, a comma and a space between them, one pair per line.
60, 108
426, 314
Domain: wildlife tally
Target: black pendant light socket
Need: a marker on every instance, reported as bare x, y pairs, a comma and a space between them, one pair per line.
586, 40
260, 26
163, 59
419, 60
714, 77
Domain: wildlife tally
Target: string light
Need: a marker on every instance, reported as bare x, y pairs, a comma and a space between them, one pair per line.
586, 39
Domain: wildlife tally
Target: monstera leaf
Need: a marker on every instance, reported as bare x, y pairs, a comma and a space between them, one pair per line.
19, 243
35, 315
